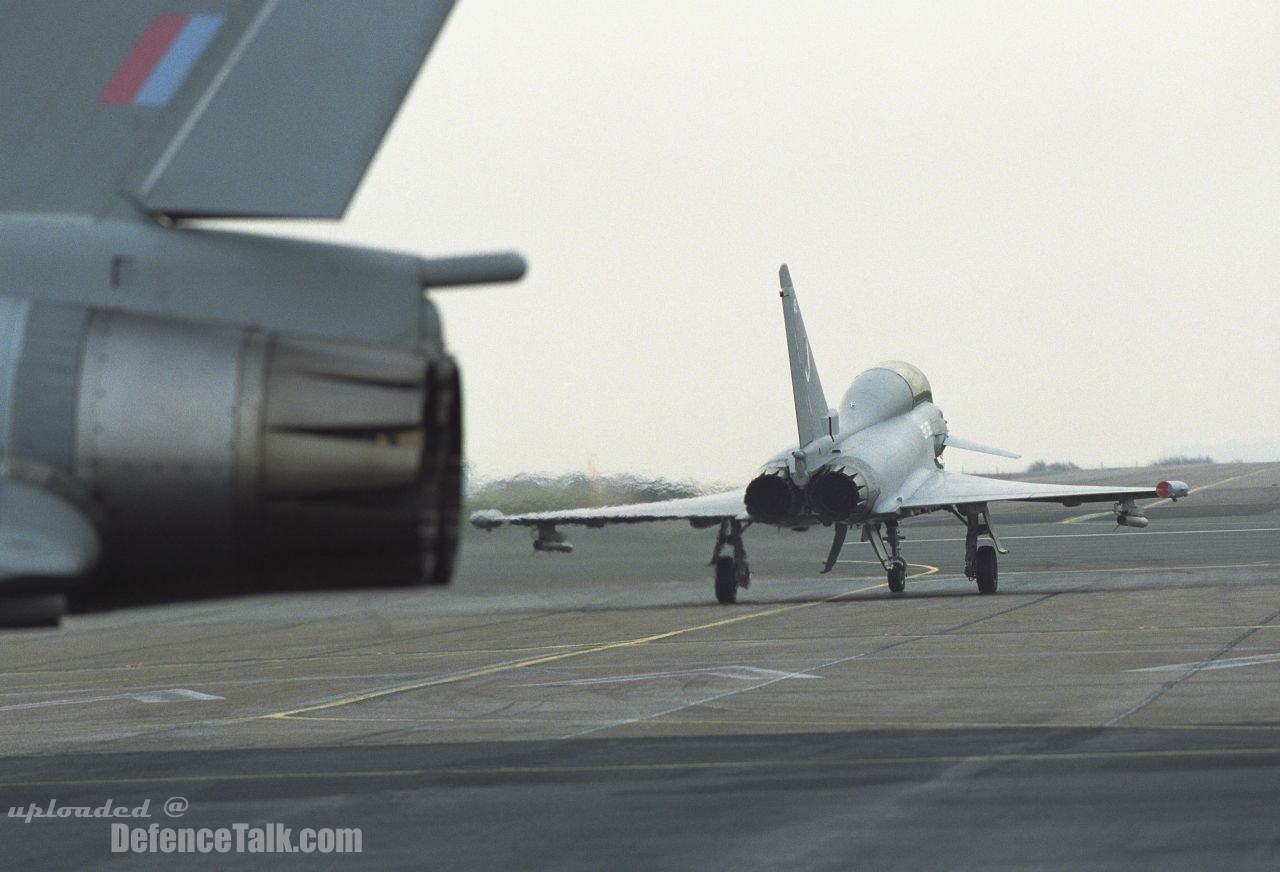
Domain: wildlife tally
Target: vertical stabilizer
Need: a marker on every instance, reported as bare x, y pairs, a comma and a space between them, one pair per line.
811, 404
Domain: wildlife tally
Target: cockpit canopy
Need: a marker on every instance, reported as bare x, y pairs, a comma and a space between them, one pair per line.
877, 394
920, 390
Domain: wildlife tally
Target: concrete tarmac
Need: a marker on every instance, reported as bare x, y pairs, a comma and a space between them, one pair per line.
1115, 705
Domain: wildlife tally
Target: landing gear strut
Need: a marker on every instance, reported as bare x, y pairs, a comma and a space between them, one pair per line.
888, 552
732, 571
980, 562
897, 563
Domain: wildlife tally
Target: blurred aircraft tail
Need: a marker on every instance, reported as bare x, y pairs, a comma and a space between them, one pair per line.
244, 108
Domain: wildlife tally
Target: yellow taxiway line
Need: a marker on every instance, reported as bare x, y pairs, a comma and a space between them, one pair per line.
498, 668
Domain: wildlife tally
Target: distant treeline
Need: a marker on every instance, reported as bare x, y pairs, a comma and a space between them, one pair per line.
1181, 460
531, 493
1040, 467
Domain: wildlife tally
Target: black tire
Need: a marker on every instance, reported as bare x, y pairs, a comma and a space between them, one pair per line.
898, 578
726, 581
988, 576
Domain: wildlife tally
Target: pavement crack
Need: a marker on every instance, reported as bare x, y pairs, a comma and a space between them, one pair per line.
1191, 671
988, 617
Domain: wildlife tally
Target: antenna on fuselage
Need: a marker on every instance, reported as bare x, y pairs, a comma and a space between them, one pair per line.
813, 418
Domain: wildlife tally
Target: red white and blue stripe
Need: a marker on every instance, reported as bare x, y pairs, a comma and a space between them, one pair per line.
161, 60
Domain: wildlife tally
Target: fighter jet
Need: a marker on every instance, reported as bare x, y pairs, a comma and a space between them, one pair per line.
180, 403
871, 462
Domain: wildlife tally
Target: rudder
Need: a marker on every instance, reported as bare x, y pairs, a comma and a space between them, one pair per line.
812, 421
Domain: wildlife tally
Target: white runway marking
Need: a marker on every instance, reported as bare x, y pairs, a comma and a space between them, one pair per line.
782, 676
737, 673
1200, 666
150, 697
1111, 534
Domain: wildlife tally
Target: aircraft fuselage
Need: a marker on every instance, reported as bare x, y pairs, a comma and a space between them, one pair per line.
885, 431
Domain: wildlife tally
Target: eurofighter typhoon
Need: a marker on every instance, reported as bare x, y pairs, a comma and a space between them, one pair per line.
872, 462
188, 411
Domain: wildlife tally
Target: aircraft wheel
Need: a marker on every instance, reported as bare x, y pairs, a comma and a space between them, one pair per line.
988, 577
33, 610
898, 577
726, 581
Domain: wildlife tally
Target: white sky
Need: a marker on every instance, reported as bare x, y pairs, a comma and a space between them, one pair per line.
1066, 213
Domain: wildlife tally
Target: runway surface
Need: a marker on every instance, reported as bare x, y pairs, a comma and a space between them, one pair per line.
1115, 705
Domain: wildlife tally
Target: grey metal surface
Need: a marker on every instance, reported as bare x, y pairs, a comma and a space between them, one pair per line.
291, 285
156, 431
196, 443
200, 444
1113, 707
46, 385
13, 331
280, 114
291, 120
806, 386
271, 283
42, 535
874, 395
316, 402
64, 151
470, 269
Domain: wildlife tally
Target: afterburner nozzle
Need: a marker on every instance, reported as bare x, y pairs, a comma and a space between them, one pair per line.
841, 492
772, 497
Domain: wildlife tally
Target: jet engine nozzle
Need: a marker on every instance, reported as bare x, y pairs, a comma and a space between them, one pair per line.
772, 497
841, 492
252, 460
1171, 490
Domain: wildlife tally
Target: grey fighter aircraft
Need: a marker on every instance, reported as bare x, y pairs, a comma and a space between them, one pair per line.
186, 410
872, 462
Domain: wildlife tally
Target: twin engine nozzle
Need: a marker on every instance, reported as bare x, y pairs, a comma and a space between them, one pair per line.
772, 497
839, 492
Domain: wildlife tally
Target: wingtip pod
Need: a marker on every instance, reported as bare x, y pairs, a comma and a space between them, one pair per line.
1172, 490
488, 519
784, 279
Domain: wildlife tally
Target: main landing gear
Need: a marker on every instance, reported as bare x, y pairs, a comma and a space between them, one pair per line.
980, 561
732, 571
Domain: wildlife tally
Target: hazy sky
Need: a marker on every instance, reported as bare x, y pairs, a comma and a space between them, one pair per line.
1067, 214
